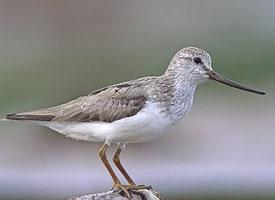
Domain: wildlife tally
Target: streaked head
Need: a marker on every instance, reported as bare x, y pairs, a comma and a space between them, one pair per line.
196, 63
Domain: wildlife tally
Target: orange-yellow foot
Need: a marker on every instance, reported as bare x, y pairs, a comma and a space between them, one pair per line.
138, 187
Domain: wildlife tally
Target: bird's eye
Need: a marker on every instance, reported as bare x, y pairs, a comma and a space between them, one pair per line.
197, 60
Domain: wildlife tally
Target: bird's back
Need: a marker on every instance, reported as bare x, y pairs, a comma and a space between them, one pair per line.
106, 105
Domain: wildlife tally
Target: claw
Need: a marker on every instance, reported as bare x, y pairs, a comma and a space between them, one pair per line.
123, 189
128, 189
139, 187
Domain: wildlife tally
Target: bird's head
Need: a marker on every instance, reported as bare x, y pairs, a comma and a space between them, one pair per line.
195, 64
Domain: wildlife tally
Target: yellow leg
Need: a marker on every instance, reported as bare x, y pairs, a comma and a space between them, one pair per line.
116, 182
132, 185
118, 164
102, 155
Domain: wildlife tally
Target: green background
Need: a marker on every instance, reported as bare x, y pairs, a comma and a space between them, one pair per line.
54, 51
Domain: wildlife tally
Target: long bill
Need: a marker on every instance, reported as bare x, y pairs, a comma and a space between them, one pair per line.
217, 77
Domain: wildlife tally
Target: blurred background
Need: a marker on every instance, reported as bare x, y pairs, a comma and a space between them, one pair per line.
54, 51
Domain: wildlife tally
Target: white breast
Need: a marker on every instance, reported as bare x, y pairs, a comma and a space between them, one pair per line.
148, 124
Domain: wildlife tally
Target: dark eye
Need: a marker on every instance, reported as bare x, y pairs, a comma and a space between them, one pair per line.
197, 60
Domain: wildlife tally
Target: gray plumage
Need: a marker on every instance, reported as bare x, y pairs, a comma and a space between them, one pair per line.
106, 105
173, 90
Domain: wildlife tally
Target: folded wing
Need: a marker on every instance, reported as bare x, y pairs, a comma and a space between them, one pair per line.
105, 105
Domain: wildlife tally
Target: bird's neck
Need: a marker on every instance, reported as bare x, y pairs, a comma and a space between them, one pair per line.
181, 91
181, 85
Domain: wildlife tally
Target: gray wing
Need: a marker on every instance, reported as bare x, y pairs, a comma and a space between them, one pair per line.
105, 105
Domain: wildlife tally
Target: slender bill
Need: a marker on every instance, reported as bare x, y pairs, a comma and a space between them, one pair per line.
217, 77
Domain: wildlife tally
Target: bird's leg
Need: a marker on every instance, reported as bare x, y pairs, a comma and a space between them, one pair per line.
118, 164
102, 155
116, 182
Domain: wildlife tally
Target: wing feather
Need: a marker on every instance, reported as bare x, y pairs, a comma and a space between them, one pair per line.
106, 105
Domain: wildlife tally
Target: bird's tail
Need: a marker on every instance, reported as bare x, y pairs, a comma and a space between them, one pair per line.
27, 117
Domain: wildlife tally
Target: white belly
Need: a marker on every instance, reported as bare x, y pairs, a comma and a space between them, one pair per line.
148, 124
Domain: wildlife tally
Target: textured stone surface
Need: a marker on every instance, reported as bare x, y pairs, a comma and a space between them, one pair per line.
142, 194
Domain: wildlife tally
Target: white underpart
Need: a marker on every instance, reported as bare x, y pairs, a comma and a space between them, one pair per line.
148, 124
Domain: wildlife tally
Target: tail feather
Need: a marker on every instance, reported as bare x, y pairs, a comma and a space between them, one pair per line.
29, 117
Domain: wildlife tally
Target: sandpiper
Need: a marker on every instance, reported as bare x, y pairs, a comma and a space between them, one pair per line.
131, 112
